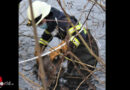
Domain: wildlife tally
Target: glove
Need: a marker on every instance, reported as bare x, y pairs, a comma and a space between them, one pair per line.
54, 55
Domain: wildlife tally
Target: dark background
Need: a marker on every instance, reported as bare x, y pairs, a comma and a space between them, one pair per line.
9, 43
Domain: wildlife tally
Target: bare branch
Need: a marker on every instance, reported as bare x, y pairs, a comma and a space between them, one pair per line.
41, 67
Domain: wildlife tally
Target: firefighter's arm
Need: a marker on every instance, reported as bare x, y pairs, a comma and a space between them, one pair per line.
43, 42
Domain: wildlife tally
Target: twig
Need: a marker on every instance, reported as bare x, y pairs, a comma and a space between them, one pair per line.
57, 78
86, 45
84, 80
22, 22
27, 79
86, 67
80, 61
103, 7
83, 12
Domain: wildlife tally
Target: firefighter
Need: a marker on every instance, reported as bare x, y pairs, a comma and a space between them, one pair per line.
44, 12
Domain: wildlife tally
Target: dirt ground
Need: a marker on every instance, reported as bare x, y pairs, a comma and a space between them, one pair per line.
96, 23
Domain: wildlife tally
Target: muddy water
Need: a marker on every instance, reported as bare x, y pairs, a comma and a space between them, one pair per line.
96, 23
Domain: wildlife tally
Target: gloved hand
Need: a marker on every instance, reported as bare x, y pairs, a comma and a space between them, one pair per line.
63, 49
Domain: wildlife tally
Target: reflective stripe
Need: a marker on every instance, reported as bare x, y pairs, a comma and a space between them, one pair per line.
75, 41
72, 29
77, 27
85, 31
42, 41
47, 32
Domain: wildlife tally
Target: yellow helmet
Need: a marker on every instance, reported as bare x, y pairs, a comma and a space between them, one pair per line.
40, 11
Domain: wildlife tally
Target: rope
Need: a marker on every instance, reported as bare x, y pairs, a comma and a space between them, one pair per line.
44, 54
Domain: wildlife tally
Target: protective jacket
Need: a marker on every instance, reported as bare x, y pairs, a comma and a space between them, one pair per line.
59, 29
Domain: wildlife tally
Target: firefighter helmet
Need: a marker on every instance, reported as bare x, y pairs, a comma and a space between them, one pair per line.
40, 11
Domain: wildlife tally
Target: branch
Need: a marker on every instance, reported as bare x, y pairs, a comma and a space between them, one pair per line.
41, 67
27, 79
57, 78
